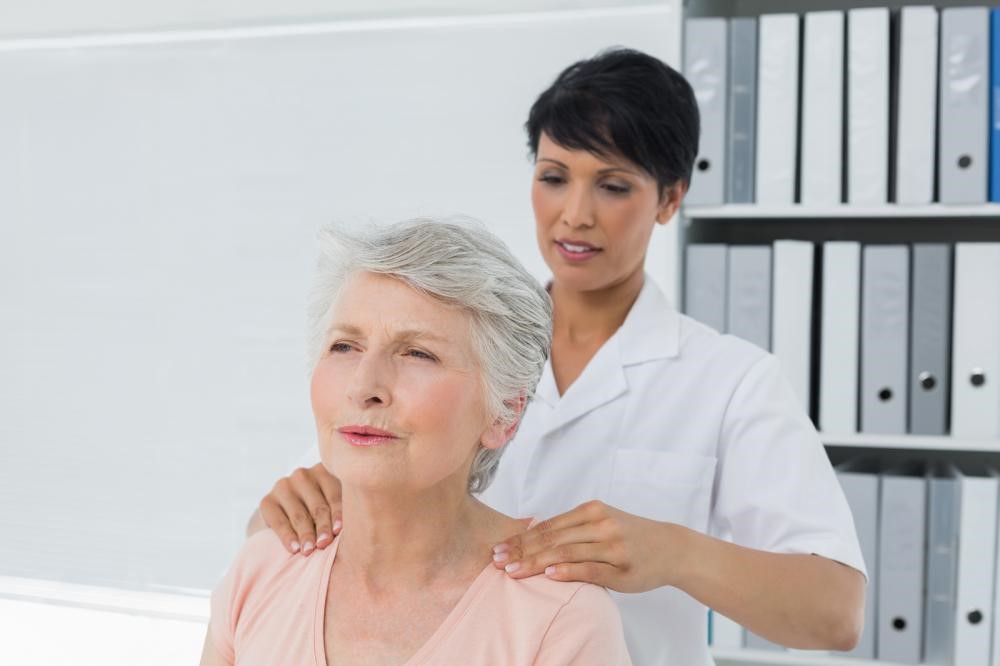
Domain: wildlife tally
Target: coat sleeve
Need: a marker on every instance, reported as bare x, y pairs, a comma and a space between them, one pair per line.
776, 490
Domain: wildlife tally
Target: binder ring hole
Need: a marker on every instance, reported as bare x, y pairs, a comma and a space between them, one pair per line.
978, 377
975, 617
964, 162
885, 395
898, 624
927, 381
703, 164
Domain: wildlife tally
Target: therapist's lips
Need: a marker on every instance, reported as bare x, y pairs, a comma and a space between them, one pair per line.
575, 250
360, 435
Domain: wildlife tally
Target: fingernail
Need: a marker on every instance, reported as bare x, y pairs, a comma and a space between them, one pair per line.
336, 525
512, 567
307, 547
549, 570
501, 548
322, 537
501, 557
295, 546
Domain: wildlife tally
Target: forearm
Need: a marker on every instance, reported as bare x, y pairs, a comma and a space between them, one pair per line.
801, 601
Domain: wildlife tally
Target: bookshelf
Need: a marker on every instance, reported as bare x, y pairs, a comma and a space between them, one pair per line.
743, 224
944, 445
750, 212
747, 657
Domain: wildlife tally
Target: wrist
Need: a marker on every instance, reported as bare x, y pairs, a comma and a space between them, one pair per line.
680, 546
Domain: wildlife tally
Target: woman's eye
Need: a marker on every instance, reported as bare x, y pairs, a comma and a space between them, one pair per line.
616, 188
416, 353
339, 348
550, 179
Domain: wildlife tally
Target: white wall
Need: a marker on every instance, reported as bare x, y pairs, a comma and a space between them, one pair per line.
20, 18
159, 198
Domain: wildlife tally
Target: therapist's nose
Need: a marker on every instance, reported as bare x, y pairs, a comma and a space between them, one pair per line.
370, 384
578, 210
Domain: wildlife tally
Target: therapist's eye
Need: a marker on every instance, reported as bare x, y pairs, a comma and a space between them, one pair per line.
617, 188
551, 179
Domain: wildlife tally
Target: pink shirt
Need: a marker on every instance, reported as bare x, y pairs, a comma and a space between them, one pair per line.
269, 609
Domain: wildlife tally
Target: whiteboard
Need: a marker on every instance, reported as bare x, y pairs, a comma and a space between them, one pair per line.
159, 200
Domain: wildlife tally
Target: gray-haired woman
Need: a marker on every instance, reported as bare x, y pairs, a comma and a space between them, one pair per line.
427, 341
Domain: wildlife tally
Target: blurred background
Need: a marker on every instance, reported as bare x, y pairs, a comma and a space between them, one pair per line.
164, 168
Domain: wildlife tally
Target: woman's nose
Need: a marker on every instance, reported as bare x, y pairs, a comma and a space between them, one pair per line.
370, 384
577, 213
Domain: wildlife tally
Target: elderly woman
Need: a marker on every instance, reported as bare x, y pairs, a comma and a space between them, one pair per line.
427, 341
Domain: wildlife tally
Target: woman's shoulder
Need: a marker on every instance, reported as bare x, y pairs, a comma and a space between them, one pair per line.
262, 552
261, 564
263, 596
580, 622
543, 596
696, 337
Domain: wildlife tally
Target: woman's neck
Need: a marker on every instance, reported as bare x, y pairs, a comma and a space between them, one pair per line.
582, 317
409, 539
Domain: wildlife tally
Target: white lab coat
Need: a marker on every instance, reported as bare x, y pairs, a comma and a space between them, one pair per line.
672, 421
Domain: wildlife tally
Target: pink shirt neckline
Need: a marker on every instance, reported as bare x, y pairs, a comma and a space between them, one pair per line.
467, 600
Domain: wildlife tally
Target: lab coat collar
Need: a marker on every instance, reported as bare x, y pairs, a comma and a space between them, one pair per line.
650, 332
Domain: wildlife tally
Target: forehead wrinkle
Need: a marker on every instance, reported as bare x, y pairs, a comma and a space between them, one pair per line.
399, 335
412, 329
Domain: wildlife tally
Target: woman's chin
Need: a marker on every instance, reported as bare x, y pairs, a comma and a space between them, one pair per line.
373, 482
579, 278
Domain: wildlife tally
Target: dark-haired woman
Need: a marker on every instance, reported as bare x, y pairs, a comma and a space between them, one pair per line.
665, 461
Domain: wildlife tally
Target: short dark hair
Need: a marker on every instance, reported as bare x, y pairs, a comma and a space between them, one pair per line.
622, 103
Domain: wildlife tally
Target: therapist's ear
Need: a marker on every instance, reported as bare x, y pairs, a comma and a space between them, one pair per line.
499, 433
670, 201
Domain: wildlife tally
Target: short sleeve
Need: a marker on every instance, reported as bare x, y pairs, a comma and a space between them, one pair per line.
259, 557
221, 628
776, 490
587, 631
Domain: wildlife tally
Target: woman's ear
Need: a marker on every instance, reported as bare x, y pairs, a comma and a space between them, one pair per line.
670, 202
499, 433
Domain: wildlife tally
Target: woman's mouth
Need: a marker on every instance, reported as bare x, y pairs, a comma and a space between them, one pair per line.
358, 435
576, 250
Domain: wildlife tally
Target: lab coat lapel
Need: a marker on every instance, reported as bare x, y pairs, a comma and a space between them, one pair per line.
650, 332
602, 381
652, 329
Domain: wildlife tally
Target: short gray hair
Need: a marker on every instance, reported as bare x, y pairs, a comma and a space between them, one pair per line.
460, 263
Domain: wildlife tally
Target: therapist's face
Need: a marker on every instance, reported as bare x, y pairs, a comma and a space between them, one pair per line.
594, 216
397, 395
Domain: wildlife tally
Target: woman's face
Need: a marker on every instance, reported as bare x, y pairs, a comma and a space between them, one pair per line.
594, 215
397, 395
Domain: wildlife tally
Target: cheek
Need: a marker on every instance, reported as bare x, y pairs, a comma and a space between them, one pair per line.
632, 225
322, 390
544, 204
453, 409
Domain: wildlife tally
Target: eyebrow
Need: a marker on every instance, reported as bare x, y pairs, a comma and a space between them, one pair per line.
403, 334
605, 170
